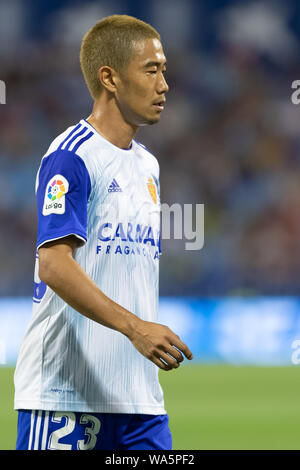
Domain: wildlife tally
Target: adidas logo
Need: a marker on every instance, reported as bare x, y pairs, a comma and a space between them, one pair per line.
114, 187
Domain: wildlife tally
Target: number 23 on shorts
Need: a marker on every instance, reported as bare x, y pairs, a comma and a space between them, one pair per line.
56, 430
92, 428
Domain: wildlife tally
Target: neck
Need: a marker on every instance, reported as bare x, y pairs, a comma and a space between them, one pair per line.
107, 119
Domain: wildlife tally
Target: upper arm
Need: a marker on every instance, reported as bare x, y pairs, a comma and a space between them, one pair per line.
50, 251
62, 190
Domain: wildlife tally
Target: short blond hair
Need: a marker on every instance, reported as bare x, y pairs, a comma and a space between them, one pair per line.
110, 42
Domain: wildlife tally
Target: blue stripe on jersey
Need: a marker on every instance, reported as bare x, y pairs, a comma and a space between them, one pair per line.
142, 145
76, 147
69, 135
75, 137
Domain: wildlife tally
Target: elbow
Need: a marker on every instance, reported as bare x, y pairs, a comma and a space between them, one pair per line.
46, 267
54, 259
42, 275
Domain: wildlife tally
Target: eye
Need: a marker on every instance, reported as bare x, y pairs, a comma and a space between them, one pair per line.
151, 71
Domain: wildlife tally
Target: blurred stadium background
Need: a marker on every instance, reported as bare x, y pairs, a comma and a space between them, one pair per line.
229, 139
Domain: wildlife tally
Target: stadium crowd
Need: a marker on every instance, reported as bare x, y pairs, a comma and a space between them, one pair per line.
228, 138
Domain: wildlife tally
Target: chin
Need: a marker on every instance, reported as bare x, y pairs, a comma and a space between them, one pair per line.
146, 120
151, 121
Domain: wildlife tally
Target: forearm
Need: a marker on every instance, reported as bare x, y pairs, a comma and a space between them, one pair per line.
59, 270
68, 280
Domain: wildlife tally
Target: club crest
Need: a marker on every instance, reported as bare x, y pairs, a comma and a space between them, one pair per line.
152, 190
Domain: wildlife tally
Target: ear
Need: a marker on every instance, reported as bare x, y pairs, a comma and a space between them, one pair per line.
107, 78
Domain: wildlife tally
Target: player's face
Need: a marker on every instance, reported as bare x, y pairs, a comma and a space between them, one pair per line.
142, 88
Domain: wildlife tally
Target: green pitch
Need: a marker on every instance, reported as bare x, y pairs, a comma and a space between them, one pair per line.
212, 407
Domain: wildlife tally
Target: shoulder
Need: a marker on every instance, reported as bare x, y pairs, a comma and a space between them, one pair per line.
76, 139
149, 158
68, 152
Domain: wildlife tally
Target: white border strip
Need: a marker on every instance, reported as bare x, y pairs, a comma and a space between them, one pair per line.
37, 430
31, 429
62, 236
45, 431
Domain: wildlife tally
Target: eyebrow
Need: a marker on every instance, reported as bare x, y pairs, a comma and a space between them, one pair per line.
154, 63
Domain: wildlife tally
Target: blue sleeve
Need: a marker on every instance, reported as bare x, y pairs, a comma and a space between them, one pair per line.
63, 189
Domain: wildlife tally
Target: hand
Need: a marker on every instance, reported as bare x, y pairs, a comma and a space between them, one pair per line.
156, 342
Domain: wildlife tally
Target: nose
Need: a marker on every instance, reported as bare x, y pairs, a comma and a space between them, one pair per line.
162, 86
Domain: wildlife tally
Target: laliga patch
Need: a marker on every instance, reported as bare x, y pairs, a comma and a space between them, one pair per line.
55, 200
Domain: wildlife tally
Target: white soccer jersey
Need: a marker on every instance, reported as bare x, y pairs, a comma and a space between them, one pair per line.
109, 198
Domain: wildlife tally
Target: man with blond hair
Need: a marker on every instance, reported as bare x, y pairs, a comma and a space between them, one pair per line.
87, 371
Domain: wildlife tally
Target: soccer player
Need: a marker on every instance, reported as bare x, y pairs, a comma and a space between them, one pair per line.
87, 371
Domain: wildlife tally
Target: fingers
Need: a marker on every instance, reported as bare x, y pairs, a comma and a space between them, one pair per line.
157, 361
174, 353
182, 347
161, 346
170, 361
